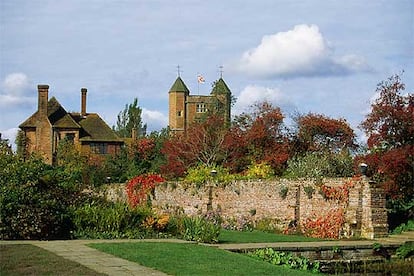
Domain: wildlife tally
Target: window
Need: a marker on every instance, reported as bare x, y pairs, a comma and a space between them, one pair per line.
99, 148
201, 108
179, 113
70, 137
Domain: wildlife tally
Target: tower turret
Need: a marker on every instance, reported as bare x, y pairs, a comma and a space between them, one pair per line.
177, 106
223, 95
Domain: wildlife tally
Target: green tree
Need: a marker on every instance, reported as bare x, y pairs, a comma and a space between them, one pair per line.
79, 166
317, 165
128, 119
21, 141
70, 159
4, 145
139, 156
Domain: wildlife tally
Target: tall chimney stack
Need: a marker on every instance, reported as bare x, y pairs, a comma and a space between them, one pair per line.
83, 101
43, 97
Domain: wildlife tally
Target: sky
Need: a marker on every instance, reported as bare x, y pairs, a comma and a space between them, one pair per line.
319, 56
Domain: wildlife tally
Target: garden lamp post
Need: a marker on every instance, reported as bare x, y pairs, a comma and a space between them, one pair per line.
213, 173
363, 169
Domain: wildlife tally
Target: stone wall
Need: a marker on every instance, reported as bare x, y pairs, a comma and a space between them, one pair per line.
281, 201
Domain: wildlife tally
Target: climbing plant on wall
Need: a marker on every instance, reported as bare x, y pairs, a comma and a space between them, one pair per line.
139, 187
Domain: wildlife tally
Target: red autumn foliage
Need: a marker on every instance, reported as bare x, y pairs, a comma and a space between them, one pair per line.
325, 226
255, 137
145, 146
340, 193
318, 132
330, 224
391, 120
142, 148
258, 137
394, 168
139, 187
390, 130
202, 143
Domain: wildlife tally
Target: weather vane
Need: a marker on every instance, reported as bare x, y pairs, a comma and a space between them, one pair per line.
221, 71
178, 70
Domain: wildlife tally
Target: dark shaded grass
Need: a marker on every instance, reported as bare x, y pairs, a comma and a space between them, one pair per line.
229, 236
25, 259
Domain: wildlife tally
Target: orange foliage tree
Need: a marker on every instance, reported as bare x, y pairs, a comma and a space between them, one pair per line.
390, 130
203, 143
258, 137
318, 132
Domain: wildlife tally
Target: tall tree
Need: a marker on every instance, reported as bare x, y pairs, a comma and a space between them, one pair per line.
316, 132
203, 143
128, 119
258, 137
390, 130
391, 120
4, 146
21, 143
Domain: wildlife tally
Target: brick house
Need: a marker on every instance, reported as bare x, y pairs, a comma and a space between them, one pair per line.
184, 109
50, 124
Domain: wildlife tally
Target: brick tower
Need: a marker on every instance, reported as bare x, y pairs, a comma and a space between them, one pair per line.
185, 109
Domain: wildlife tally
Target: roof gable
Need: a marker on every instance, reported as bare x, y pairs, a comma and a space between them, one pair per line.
179, 86
220, 87
56, 114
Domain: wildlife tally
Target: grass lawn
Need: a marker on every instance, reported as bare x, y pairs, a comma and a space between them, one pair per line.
228, 236
192, 259
25, 259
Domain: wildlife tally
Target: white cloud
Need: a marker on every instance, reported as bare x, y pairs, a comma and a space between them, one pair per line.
255, 94
10, 134
155, 120
353, 63
15, 84
15, 91
302, 51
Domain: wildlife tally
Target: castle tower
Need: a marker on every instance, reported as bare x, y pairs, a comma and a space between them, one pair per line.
177, 106
222, 94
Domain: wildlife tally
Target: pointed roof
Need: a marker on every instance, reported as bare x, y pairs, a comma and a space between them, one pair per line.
220, 87
179, 86
57, 115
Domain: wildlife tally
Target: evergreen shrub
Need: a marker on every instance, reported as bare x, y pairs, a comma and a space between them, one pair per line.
34, 200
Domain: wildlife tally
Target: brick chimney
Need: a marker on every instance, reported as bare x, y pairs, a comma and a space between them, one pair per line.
43, 97
83, 101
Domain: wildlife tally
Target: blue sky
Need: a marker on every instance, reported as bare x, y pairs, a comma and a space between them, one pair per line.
305, 56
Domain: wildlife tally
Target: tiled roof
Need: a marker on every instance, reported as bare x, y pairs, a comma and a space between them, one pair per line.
220, 87
95, 129
179, 86
92, 127
57, 115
